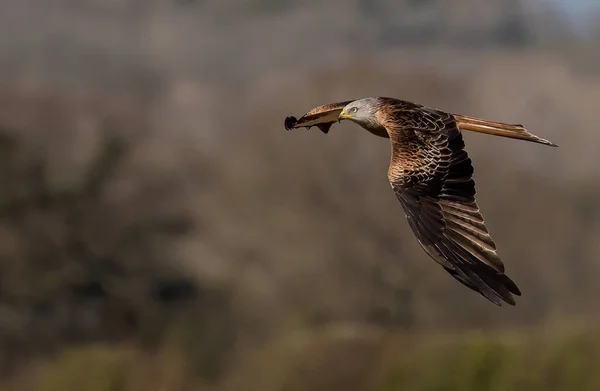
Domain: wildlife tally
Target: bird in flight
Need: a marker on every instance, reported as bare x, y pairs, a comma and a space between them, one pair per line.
432, 177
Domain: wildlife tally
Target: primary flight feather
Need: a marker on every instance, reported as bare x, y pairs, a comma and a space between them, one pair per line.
431, 175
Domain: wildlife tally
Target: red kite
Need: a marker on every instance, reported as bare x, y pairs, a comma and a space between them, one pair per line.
431, 174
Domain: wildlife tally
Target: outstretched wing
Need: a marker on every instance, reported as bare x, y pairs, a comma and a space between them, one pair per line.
431, 175
322, 117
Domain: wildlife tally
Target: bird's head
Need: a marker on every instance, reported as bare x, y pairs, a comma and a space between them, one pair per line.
361, 111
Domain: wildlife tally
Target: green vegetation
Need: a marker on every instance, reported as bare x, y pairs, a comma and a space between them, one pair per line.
496, 364
460, 362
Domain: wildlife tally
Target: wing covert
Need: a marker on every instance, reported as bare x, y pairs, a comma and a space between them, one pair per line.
322, 117
431, 174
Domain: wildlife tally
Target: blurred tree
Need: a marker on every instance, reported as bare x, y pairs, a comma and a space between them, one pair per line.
78, 265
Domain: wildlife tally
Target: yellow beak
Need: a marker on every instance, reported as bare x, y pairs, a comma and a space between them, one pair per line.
343, 115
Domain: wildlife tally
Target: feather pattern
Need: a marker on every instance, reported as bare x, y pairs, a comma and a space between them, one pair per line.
322, 117
432, 177
431, 174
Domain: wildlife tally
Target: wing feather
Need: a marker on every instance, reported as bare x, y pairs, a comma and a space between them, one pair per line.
439, 202
321, 116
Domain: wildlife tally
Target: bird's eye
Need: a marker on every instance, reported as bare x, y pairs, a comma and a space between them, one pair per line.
354, 109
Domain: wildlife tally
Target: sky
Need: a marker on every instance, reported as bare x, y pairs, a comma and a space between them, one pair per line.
576, 11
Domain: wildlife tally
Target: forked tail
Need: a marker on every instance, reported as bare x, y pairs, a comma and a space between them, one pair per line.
498, 129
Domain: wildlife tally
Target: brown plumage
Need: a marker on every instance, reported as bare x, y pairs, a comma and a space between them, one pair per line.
431, 175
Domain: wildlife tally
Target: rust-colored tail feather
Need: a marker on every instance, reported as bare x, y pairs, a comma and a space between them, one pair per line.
498, 129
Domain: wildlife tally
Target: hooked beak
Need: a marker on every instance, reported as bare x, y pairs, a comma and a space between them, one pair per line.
343, 115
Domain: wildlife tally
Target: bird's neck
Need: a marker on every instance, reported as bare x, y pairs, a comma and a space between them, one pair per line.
376, 129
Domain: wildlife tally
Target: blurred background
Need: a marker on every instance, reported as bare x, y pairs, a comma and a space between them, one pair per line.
160, 230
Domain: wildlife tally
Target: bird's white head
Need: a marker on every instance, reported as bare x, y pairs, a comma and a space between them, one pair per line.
361, 111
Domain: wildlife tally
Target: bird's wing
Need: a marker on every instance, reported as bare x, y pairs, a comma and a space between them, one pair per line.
322, 117
431, 175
